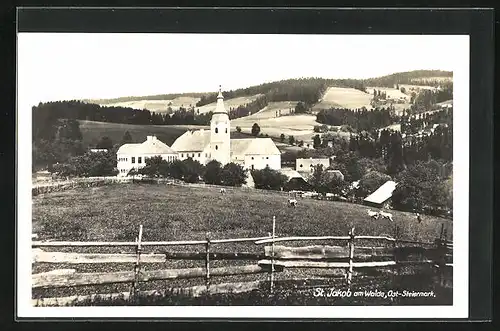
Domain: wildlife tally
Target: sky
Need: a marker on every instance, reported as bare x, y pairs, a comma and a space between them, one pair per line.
62, 66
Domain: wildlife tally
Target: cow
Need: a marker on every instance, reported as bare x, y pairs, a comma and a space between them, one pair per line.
222, 191
386, 215
292, 203
418, 217
373, 214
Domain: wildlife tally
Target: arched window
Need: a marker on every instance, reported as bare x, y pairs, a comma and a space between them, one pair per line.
216, 130
216, 147
226, 130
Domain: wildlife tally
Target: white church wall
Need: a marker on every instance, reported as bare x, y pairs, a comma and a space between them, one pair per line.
261, 161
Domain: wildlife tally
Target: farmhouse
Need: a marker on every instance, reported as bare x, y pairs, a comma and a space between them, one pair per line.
307, 165
216, 144
381, 197
133, 156
295, 180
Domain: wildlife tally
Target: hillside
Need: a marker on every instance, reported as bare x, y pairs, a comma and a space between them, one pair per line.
228, 103
301, 89
158, 106
92, 132
339, 97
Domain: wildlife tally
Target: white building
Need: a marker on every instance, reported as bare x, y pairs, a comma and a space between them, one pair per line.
307, 165
216, 144
133, 156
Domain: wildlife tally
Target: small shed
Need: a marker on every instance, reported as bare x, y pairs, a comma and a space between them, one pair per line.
382, 196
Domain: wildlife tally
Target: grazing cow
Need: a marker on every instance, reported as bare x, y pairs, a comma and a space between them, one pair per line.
373, 214
386, 215
222, 191
292, 203
419, 218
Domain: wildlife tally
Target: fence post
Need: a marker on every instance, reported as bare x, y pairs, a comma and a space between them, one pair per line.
351, 256
137, 264
207, 262
272, 256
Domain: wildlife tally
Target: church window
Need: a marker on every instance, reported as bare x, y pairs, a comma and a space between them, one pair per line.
133, 159
216, 130
216, 147
267, 157
226, 130
252, 157
199, 154
301, 165
182, 155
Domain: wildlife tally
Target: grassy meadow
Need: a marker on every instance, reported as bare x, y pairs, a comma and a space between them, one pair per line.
170, 212
341, 97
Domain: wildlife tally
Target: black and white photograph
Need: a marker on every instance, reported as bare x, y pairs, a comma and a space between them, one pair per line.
234, 175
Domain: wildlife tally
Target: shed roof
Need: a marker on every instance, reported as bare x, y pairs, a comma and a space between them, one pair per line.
383, 193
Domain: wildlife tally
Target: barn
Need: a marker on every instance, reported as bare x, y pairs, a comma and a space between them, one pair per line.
296, 182
381, 198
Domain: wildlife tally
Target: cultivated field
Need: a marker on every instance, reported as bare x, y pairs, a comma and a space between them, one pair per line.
344, 98
228, 103
157, 105
390, 92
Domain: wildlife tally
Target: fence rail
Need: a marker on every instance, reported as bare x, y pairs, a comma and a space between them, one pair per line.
272, 259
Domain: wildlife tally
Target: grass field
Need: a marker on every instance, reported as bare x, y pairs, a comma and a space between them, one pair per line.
114, 213
344, 98
173, 212
390, 92
228, 103
93, 131
157, 105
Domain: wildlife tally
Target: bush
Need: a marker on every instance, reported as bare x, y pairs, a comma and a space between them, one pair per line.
269, 179
88, 165
233, 175
213, 173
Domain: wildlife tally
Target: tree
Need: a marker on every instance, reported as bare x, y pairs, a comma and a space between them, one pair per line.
282, 138
192, 170
233, 175
155, 167
175, 169
213, 173
301, 143
291, 140
105, 143
316, 141
255, 129
324, 182
420, 188
238, 129
370, 182
269, 179
91, 164
403, 90
300, 108
127, 138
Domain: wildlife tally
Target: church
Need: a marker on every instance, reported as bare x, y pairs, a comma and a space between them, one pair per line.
204, 146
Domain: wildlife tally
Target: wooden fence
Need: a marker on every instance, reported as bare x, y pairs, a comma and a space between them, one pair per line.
272, 259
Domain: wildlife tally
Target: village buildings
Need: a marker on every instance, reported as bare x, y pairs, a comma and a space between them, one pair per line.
204, 146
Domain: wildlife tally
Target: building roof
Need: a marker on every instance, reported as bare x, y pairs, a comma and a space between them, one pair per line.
192, 141
307, 164
290, 173
383, 193
152, 145
254, 146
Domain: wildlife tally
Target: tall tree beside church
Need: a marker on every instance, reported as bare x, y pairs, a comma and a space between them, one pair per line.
213, 173
255, 129
233, 175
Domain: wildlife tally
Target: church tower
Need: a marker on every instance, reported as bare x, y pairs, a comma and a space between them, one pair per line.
220, 129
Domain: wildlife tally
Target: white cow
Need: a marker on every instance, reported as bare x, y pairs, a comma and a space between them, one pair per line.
292, 203
386, 215
222, 191
419, 218
373, 214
